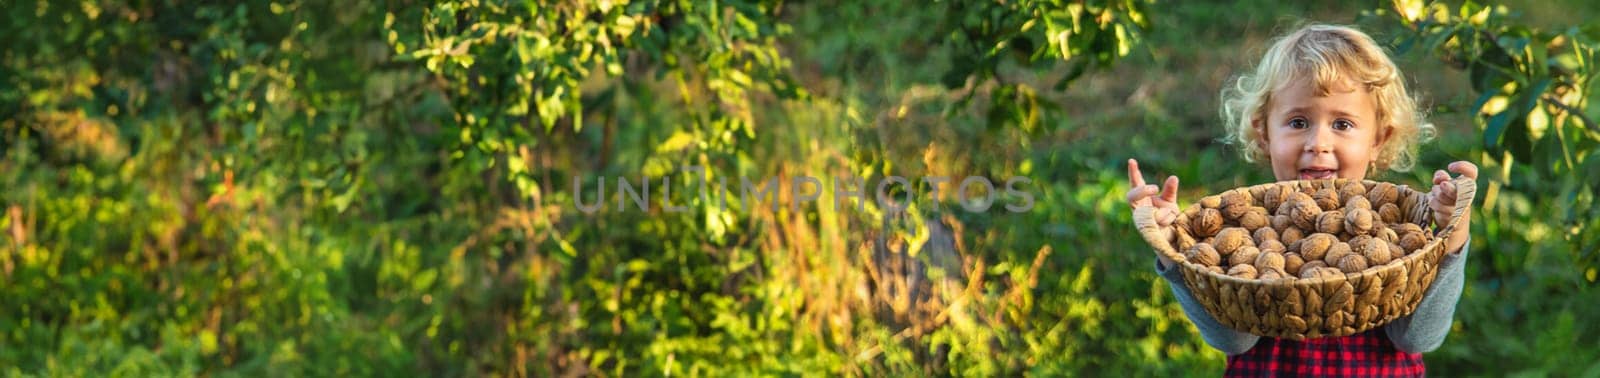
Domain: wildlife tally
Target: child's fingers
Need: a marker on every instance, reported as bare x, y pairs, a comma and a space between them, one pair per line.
1135, 179
1165, 217
1444, 192
1440, 203
1140, 195
1464, 168
1170, 193
1441, 210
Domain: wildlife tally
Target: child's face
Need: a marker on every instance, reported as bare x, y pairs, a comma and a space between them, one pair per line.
1312, 136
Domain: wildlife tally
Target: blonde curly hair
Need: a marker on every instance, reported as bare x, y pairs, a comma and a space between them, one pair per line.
1333, 55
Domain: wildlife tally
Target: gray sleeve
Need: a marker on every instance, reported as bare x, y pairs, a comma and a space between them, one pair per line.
1226, 339
1425, 329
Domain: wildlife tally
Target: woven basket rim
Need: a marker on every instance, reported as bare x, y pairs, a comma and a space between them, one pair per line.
1417, 268
1159, 238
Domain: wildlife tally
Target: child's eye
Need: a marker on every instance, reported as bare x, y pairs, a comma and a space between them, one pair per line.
1343, 125
1298, 123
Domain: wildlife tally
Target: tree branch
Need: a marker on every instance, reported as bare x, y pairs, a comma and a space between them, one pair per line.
1575, 112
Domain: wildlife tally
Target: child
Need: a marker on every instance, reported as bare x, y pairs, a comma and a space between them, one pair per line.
1326, 102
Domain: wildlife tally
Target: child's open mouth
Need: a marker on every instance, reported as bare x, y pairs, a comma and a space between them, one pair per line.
1316, 174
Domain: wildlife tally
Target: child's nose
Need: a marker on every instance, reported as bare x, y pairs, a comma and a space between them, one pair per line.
1318, 148
1319, 142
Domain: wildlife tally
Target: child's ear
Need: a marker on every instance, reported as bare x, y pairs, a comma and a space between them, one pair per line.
1377, 144
1260, 128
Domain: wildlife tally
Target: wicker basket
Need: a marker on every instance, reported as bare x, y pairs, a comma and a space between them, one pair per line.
1327, 306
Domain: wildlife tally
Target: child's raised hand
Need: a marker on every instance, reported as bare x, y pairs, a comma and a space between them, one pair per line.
1442, 200
1164, 199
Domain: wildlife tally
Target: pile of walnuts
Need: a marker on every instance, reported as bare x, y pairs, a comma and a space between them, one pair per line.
1308, 233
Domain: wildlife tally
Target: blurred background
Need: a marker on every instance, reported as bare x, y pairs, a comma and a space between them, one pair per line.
386, 187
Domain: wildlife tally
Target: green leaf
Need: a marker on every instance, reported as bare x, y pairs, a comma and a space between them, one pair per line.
1525, 100
678, 141
423, 281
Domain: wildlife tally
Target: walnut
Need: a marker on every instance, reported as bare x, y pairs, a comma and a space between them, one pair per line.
1272, 246
1235, 203
1184, 239
1244, 256
1207, 223
1360, 221
1269, 260
1395, 251
1254, 219
1312, 264
1291, 235
1275, 195
1337, 251
1216, 269
1389, 213
1357, 202
1315, 247
1233, 213
1237, 198
1231, 238
1383, 193
1303, 210
1262, 235
1211, 202
1287, 208
1271, 274
1265, 213
1330, 222
1352, 263
1319, 272
1203, 254
1387, 234
1327, 199
1292, 262
1353, 188
1375, 250
1413, 241
1281, 221
1404, 228
1243, 271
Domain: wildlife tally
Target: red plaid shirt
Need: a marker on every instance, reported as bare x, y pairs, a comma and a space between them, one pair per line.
1367, 354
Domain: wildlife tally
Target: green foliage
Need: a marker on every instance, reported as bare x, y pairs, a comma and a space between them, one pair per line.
386, 188
1534, 89
1534, 108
